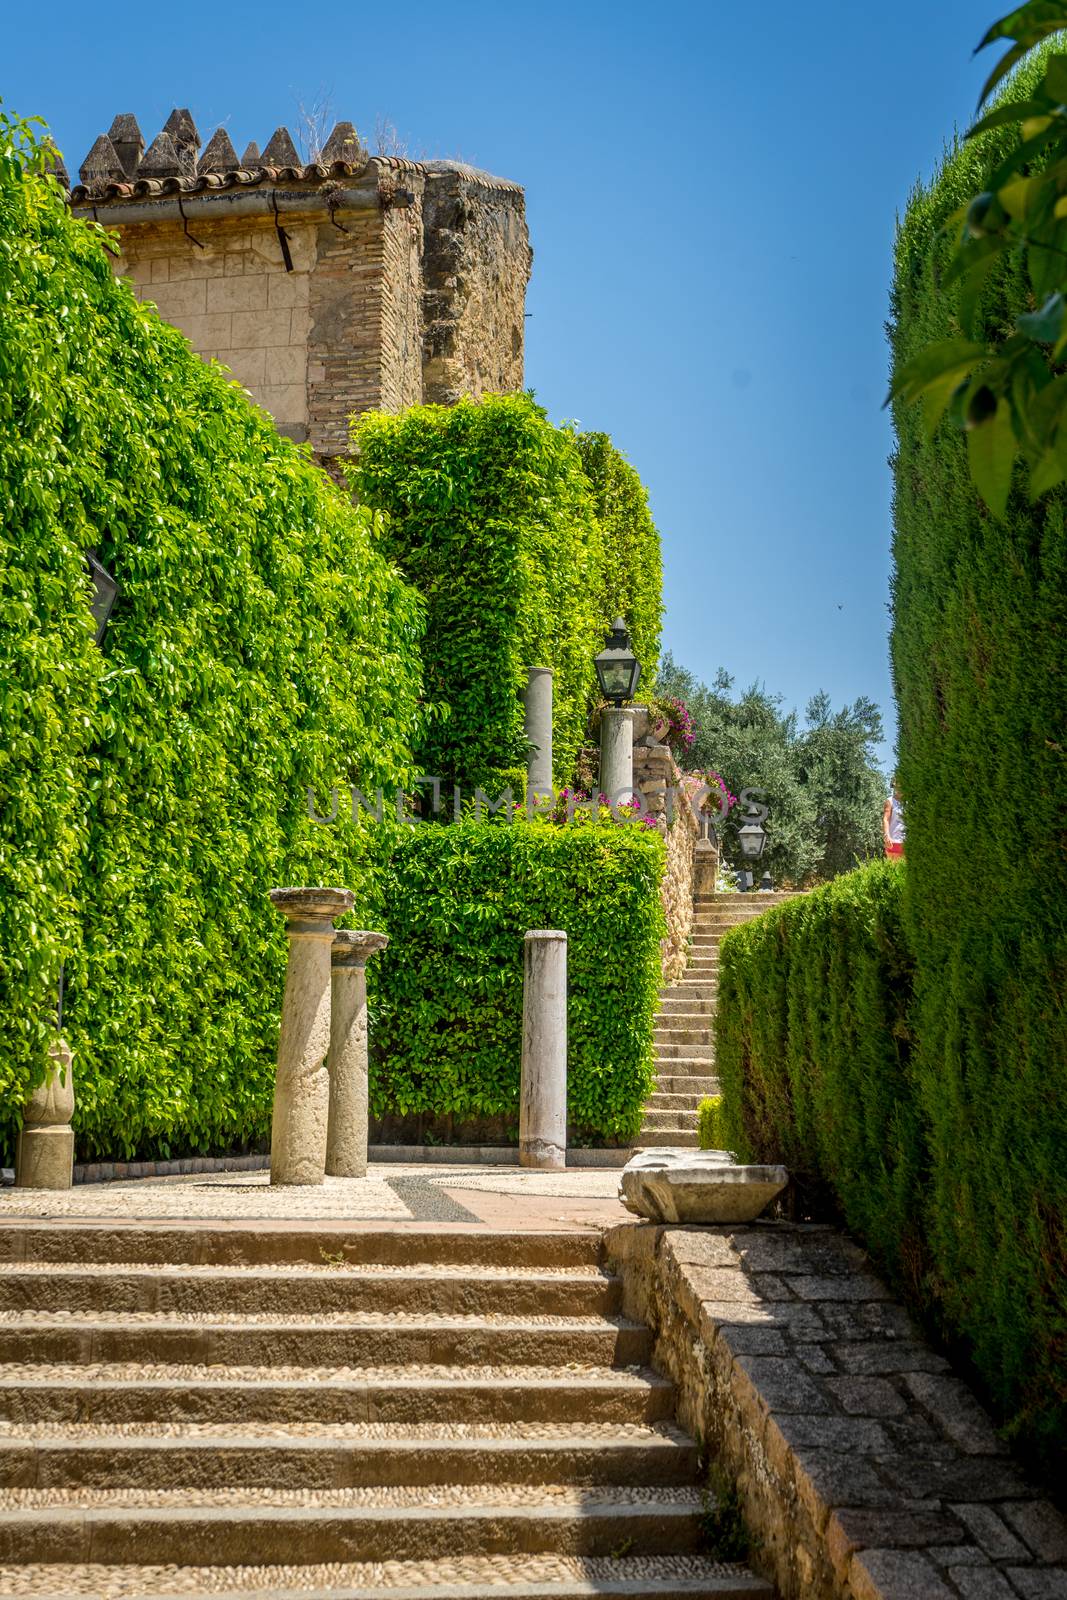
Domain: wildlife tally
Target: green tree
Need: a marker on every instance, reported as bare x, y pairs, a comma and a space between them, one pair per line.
820, 782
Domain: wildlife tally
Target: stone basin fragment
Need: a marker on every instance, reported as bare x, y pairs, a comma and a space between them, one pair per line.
697, 1186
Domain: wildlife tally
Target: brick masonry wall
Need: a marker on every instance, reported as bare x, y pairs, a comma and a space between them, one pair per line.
344, 371
417, 294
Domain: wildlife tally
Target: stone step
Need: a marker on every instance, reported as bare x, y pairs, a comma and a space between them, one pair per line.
760, 897
262, 1243
331, 1339
536, 1577
458, 1395
254, 1526
692, 1065
683, 1050
297, 1455
305, 1289
685, 1104
668, 1139
665, 1121
673, 1032
678, 1010
700, 1086
696, 990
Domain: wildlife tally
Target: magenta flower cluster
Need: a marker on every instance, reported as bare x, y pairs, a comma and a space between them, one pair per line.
715, 780
680, 723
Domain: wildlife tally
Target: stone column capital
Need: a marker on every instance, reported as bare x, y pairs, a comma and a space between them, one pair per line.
311, 911
353, 946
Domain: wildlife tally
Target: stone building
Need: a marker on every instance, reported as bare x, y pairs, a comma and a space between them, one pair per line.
341, 284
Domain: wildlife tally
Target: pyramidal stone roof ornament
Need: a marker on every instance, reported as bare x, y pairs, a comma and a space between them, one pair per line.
128, 142
219, 154
102, 164
161, 159
251, 158
281, 151
184, 137
54, 164
343, 145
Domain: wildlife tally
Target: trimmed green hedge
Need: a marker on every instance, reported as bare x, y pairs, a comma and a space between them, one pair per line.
447, 993
979, 651
155, 789
812, 1052
820, 1069
493, 516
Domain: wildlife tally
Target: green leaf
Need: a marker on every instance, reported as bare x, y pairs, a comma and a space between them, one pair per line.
1044, 326
942, 359
1004, 116
991, 450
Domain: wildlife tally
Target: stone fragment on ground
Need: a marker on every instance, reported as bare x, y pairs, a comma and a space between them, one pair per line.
701, 1186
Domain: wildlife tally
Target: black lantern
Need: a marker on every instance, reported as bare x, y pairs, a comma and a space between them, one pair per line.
105, 590
752, 840
618, 670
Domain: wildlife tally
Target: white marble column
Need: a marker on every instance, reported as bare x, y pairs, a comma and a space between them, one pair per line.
543, 1092
45, 1156
302, 1086
346, 1136
538, 730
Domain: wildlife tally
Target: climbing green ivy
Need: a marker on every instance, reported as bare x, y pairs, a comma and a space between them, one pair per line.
526, 542
152, 791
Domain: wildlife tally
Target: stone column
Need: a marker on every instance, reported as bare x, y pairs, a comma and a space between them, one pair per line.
45, 1157
538, 729
302, 1086
543, 1094
705, 863
617, 752
346, 1135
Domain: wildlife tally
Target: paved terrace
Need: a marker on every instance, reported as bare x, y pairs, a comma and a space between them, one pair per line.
392, 1195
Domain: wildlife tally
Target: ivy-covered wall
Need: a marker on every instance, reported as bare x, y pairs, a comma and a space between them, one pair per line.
446, 995
979, 649
155, 789
526, 542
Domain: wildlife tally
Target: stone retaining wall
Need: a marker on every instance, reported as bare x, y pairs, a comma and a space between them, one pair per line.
655, 773
865, 1469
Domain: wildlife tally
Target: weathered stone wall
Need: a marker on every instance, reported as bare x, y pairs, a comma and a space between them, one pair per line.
864, 1468
656, 776
475, 267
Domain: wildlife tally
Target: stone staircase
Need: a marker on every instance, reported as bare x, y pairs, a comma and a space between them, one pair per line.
685, 1036
287, 1410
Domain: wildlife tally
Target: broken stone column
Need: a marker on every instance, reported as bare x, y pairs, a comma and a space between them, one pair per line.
543, 1092
45, 1157
302, 1086
617, 753
538, 730
346, 1136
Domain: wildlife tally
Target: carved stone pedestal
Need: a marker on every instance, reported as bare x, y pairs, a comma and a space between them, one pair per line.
45, 1158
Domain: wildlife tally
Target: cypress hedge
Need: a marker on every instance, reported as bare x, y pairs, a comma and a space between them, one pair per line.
155, 789
493, 516
446, 996
813, 1054
979, 650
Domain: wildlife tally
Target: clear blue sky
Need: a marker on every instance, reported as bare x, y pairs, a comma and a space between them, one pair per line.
711, 191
